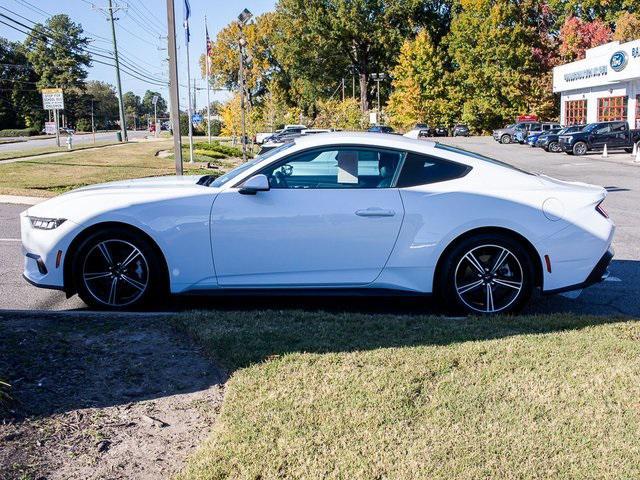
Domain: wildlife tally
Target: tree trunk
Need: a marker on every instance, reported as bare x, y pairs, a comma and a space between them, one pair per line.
364, 87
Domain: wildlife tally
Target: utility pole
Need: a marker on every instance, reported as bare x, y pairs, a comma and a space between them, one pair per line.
123, 125
378, 77
93, 128
174, 94
207, 68
243, 18
190, 112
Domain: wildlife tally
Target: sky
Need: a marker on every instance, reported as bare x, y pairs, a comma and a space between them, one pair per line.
139, 27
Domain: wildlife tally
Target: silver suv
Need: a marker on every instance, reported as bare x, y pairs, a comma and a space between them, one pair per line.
506, 134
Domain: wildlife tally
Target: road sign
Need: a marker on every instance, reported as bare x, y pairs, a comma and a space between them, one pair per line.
196, 118
50, 128
154, 99
52, 99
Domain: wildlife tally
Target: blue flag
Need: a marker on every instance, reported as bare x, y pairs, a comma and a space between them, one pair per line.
187, 14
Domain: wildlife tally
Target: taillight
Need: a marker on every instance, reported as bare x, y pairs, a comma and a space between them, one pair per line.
600, 209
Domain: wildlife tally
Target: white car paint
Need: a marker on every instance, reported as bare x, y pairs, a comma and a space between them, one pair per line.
216, 238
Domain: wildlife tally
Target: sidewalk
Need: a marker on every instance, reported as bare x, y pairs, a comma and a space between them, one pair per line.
21, 200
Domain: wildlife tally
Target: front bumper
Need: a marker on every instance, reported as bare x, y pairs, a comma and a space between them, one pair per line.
599, 273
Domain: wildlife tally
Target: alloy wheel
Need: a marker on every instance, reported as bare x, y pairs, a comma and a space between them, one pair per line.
554, 147
488, 278
115, 273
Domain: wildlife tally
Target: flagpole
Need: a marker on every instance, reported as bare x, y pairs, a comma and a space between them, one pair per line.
207, 70
190, 113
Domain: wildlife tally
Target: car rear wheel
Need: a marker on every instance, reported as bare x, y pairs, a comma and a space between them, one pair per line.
580, 148
487, 274
115, 269
505, 139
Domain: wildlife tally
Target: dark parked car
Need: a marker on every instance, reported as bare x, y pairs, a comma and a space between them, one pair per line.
532, 138
550, 142
380, 129
461, 130
615, 135
441, 131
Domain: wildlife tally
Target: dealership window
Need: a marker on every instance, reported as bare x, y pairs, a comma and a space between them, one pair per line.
612, 108
575, 112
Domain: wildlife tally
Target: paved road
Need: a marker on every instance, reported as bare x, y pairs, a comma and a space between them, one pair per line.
77, 140
617, 296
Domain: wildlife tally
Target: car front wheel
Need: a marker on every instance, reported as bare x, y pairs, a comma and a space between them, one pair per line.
554, 147
505, 139
114, 269
580, 148
487, 274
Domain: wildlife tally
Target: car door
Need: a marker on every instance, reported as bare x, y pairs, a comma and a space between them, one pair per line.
600, 136
331, 218
619, 137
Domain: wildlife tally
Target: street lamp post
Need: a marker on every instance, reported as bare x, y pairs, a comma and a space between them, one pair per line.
243, 18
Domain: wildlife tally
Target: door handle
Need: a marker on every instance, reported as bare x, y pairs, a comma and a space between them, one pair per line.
375, 212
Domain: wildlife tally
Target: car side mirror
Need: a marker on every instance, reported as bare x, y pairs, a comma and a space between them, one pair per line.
255, 184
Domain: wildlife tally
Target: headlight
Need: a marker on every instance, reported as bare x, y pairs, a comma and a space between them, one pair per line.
46, 223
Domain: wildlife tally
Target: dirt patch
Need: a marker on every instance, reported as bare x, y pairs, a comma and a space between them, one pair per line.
102, 397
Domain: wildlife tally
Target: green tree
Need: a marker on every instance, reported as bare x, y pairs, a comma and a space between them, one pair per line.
105, 103
57, 52
147, 103
132, 109
340, 114
20, 103
420, 85
496, 73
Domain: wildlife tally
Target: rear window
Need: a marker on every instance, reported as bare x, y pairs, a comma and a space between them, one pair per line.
477, 156
424, 169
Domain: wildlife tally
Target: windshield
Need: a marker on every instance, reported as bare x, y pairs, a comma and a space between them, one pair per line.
477, 156
221, 180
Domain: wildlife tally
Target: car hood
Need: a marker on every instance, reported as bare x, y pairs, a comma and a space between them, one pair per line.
95, 199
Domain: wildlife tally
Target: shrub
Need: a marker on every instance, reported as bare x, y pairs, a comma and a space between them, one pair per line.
218, 147
19, 132
208, 153
83, 125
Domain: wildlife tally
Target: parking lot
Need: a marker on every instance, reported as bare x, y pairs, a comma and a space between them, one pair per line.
618, 173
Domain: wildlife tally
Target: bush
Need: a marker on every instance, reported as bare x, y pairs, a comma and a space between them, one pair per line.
218, 147
208, 153
83, 125
19, 132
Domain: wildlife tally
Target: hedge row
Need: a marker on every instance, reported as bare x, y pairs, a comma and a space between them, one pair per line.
19, 132
218, 147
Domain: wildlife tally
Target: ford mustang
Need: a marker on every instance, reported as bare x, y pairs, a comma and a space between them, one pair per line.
372, 213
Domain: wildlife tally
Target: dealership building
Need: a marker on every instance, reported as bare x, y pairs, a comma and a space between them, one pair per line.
604, 86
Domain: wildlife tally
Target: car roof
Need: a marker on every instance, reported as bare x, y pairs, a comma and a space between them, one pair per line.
364, 138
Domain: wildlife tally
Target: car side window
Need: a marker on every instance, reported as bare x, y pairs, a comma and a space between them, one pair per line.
335, 167
421, 169
603, 129
618, 127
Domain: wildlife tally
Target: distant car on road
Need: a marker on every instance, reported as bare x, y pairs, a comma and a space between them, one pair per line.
380, 129
550, 141
460, 130
441, 131
615, 135
356, 212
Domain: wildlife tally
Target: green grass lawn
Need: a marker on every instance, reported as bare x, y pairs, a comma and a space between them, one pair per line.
49, 176
318, 395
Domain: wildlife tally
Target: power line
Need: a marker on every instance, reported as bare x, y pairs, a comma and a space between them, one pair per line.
151, 16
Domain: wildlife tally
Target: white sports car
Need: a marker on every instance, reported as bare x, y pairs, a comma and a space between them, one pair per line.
341, 211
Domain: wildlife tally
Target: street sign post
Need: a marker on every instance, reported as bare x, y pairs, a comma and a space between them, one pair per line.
50, 128
154, 100
196, 118
53, 99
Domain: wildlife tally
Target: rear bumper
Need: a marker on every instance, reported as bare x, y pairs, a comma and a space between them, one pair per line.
597, 275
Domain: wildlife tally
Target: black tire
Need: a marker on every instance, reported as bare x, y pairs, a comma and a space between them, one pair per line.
505, 139
132, 280
580, 148
554, 147
511, 284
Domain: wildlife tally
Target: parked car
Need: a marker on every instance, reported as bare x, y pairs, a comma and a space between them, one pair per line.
381, 212
418, 133
460, 130
535, 128
550, 142
533, 137
441, 131
260, 137
380, 129
615, 135
506, 134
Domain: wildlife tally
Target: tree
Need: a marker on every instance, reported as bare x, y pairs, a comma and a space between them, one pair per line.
627, 27
420, 85
20, 103
132, 109
323, 38
577, 35
492, 45
339, 114
57, 52
105, 103
147, 103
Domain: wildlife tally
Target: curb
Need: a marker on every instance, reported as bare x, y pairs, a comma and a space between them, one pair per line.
6, 314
